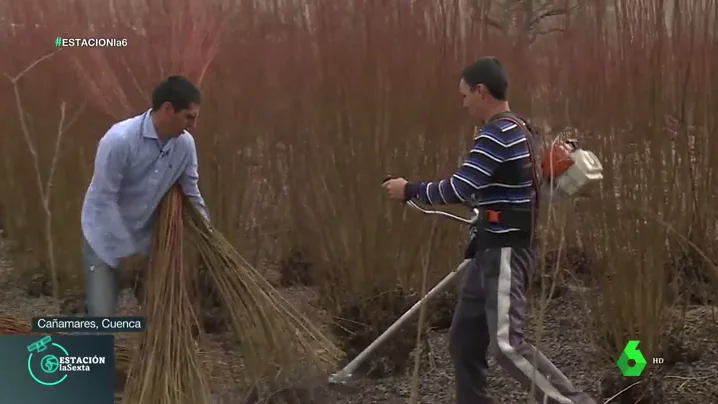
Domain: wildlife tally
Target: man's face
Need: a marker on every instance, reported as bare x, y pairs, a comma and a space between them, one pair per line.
176, 122
474, 99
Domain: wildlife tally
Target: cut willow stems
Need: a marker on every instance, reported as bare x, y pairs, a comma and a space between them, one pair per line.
167, 369
276, 341
273, 336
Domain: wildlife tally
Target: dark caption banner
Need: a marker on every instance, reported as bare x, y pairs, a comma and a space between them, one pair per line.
88, 324
57, 369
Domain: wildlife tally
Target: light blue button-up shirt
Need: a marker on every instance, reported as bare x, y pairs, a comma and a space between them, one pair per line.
133, 171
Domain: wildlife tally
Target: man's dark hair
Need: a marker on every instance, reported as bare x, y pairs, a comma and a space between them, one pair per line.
489, 72
178, 91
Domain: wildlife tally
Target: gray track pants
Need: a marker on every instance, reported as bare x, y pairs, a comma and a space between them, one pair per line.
490, 314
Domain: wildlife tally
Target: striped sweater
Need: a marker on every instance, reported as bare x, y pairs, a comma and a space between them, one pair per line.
496, 174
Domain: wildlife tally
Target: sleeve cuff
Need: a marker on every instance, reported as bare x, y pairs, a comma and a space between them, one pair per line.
411, 189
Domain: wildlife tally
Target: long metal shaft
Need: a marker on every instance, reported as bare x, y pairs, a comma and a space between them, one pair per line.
343, 376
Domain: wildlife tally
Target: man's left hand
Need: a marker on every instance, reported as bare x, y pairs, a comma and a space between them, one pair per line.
395, 188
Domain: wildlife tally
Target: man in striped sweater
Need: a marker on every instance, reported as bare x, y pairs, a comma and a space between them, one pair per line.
499, 178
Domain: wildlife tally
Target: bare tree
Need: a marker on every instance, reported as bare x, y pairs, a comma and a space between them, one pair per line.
526, 20
44, 187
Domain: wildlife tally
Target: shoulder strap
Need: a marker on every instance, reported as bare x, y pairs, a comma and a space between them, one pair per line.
521, 123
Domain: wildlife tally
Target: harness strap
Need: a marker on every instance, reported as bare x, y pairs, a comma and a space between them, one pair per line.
511, 117
514, 217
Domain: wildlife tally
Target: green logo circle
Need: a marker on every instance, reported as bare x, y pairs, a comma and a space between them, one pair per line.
49, 364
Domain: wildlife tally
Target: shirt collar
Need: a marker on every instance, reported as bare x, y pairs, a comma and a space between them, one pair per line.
148, 129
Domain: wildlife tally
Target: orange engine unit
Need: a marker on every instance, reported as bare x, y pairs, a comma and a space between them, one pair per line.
556, 160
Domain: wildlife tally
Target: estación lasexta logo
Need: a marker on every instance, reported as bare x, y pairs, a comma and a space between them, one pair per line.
44, 362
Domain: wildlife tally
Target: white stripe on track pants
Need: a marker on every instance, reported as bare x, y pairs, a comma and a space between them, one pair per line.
490, 315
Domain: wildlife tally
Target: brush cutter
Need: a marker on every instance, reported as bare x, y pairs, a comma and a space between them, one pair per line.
343, 378
567, 170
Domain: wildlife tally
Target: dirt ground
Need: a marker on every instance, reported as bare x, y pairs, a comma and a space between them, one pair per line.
567, 341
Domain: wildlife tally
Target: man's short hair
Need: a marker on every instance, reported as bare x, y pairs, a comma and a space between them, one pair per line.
489, 72
178, 91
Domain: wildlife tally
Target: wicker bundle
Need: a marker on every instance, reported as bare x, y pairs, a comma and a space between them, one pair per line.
167, 369
274, 338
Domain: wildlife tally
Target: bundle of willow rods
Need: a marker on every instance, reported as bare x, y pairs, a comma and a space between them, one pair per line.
167, 369
274, 338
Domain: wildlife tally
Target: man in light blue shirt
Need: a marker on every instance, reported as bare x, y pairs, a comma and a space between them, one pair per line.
138, 160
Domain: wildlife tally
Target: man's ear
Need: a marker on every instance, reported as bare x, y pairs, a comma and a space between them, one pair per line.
167, 107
